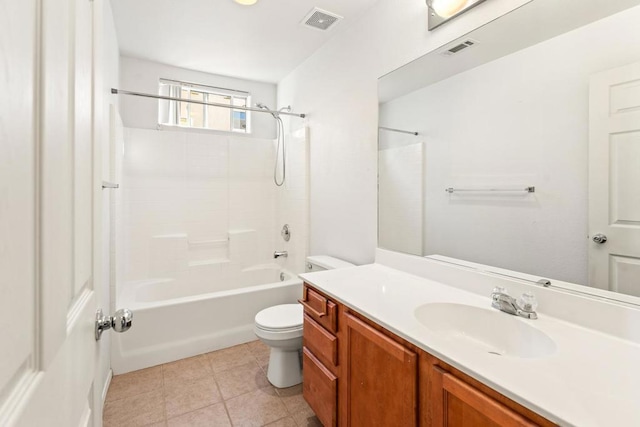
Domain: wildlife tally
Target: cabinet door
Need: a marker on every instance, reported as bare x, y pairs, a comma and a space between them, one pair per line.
457, 404
381, 378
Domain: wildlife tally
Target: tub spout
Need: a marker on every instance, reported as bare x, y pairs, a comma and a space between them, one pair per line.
277, 254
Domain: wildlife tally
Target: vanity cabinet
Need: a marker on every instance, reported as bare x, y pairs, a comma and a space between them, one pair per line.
357, 373
320, 358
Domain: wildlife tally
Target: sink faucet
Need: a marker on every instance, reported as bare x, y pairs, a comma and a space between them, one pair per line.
525, 307
277, 254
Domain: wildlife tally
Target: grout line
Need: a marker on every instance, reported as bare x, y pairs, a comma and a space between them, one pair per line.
164, 400
222, 399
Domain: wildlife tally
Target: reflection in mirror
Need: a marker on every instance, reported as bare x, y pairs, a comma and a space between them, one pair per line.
441, 11
554, 106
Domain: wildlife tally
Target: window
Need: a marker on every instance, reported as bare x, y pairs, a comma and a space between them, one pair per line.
199, 116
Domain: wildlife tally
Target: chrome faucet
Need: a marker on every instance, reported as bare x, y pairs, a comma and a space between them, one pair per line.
524, 307
277, 254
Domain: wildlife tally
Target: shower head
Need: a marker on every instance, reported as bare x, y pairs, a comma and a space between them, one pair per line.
264, 107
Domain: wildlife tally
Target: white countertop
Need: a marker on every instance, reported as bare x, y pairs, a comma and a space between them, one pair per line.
593, 379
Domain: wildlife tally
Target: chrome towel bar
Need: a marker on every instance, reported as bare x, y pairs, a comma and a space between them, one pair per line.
491, 190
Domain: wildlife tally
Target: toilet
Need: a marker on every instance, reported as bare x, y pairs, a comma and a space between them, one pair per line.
280, 327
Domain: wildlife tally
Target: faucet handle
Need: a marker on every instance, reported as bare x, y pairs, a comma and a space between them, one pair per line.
500, 290
528, 302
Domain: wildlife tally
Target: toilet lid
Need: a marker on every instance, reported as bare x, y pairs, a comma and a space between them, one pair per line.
280, 317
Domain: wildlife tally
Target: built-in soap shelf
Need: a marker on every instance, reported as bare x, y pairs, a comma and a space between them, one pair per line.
172, 253
200, 243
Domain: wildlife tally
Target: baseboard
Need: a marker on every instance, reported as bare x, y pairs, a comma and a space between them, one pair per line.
107, 383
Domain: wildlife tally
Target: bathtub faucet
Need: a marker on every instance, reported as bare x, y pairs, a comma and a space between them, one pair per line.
277, 254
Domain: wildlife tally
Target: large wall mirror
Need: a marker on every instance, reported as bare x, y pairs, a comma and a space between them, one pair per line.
517, 147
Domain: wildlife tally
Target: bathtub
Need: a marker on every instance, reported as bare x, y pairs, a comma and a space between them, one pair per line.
174, 318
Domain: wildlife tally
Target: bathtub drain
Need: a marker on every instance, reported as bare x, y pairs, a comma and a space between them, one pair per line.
282, 277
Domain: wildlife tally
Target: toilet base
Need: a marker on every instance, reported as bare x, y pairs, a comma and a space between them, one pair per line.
284, 367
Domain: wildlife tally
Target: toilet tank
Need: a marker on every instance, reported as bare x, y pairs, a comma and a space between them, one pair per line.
325, 262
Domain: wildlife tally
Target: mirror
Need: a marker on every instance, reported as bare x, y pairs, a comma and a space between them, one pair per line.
517, 146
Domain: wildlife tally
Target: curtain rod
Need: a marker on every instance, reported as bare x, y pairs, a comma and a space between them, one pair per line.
399, 130
211, 104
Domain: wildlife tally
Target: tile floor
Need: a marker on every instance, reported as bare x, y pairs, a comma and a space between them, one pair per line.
224, 388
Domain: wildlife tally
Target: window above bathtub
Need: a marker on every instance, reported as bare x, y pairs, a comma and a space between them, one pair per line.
198, 116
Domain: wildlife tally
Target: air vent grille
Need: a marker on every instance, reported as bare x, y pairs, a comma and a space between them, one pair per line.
320, 19
458, 47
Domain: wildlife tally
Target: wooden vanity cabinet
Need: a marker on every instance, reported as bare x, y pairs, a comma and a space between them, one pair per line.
356, 373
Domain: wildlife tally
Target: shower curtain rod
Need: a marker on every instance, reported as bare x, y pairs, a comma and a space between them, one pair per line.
399, 130
211, 104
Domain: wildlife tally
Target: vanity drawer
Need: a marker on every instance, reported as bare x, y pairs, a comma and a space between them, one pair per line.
320, 389
320, 308
322, 344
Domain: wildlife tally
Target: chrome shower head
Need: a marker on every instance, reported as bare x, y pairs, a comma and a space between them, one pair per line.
262, 106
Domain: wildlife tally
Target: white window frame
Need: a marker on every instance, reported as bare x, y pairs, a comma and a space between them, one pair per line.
169, 111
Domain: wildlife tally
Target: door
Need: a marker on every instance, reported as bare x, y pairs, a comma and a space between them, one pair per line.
381, 378
47, 215
614, 180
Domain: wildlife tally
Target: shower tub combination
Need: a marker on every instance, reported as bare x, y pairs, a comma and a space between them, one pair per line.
174, 320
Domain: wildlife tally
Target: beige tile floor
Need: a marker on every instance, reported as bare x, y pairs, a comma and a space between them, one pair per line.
224, 388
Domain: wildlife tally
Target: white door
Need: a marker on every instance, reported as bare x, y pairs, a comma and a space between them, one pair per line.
614, 180
48, 188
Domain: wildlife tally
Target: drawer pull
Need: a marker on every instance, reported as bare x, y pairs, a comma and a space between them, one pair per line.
313, 310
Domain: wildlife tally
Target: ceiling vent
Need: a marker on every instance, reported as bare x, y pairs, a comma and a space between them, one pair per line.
449, 51
319, 19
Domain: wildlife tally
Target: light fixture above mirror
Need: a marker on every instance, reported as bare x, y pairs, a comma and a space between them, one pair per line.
441, 11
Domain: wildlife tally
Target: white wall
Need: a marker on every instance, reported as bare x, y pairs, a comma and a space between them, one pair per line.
337, 87
139, 75
518, 121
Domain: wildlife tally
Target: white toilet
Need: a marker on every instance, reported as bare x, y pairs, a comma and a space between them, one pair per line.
280, 327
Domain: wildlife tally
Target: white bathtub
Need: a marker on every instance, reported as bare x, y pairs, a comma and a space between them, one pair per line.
174, 319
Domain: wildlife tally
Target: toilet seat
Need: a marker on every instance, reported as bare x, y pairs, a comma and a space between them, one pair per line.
280, 318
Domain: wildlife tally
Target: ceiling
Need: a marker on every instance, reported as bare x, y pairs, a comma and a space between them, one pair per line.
263, 42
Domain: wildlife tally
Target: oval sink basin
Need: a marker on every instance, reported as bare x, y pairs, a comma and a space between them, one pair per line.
486, 330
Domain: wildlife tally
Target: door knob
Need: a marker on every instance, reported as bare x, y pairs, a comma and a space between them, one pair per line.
599, 238
120, 322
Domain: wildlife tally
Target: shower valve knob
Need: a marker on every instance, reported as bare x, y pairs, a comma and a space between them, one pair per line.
119, 322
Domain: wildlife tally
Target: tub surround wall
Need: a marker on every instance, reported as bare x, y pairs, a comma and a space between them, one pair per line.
400, 193
196, 205
292, 202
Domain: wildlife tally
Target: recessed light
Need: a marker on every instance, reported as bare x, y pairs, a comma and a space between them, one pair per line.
246, 2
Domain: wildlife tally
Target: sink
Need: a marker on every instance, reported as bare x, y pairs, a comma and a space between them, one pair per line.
487, 330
